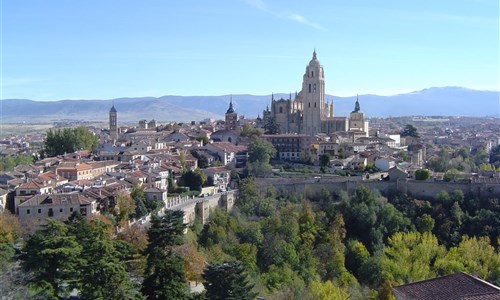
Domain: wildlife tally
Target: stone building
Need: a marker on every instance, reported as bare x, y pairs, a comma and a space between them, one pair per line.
309, 113
113, 128
231, 118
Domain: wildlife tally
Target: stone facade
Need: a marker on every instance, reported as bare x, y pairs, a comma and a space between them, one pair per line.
309, 113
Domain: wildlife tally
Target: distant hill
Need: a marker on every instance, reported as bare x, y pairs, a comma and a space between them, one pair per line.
445, 101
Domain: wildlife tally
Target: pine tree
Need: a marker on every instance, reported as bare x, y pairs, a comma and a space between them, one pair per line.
227, 281
103, 275
52, 255
164, 277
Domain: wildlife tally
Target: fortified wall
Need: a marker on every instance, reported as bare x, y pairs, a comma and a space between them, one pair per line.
200, 207
418, 189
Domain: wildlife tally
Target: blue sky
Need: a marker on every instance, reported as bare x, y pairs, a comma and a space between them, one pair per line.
96, 49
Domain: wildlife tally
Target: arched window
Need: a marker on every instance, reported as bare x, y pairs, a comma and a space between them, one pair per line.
312, 73
315, 88
309, 87
314, 104
281, 109
309, 104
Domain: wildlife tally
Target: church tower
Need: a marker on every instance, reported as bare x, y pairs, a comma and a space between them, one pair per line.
113, 128
358, 120
313, 97
231, 117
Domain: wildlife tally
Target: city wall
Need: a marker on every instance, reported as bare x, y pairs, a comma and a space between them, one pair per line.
200, 207
418, 189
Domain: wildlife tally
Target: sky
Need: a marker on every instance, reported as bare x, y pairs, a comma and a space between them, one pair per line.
94, 49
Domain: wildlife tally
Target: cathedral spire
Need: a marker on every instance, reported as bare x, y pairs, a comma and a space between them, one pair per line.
356, 106
230, 109
314, 54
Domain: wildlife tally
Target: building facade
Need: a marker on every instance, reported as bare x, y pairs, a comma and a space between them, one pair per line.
309, 112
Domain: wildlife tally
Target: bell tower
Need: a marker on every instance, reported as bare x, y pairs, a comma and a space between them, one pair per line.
231, 117
313, 96
113, 128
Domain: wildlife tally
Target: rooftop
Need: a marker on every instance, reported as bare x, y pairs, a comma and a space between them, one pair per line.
456, 286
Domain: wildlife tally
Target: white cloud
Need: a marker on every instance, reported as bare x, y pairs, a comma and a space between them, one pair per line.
258, 4
262, 6
301, 19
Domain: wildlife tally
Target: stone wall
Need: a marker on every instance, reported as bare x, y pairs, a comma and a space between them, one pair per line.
418, 189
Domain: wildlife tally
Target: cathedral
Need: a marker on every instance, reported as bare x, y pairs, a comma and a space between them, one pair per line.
309, 113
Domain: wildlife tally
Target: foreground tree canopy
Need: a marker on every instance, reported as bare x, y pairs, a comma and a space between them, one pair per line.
275, 243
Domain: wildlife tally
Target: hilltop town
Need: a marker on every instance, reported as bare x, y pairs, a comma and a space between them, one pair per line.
129, 173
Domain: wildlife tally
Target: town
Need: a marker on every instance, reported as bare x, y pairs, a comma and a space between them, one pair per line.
127, 174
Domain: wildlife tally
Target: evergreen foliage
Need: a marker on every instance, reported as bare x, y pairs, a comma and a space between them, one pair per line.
69, 140
164, 277
227, 281
410, 130
53, 256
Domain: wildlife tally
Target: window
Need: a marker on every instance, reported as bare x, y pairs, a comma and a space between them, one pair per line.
61, 210
28, 211
309, 104
51, 212
281, 110
312, 73
71, 209
309, 87
314, 104
39, 210
314, 88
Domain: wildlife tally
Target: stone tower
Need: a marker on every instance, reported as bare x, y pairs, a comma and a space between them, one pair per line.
113, 128
313, 97
231, 117
358, 120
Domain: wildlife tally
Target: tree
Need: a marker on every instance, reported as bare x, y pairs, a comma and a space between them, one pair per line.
53, 257
451, 175
125, 208
227, 281
250, 131
202, 159
410, 256
194, 179
474, 255
410, 130
495, 156
324, 159
137, 195
7, 163
68, 140
422, 174
260, 150
102, 274
194, 261
272, 127
259, 154
425, 223
327, 291
164, 277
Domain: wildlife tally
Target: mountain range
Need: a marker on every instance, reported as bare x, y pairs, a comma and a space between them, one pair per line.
442, 101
